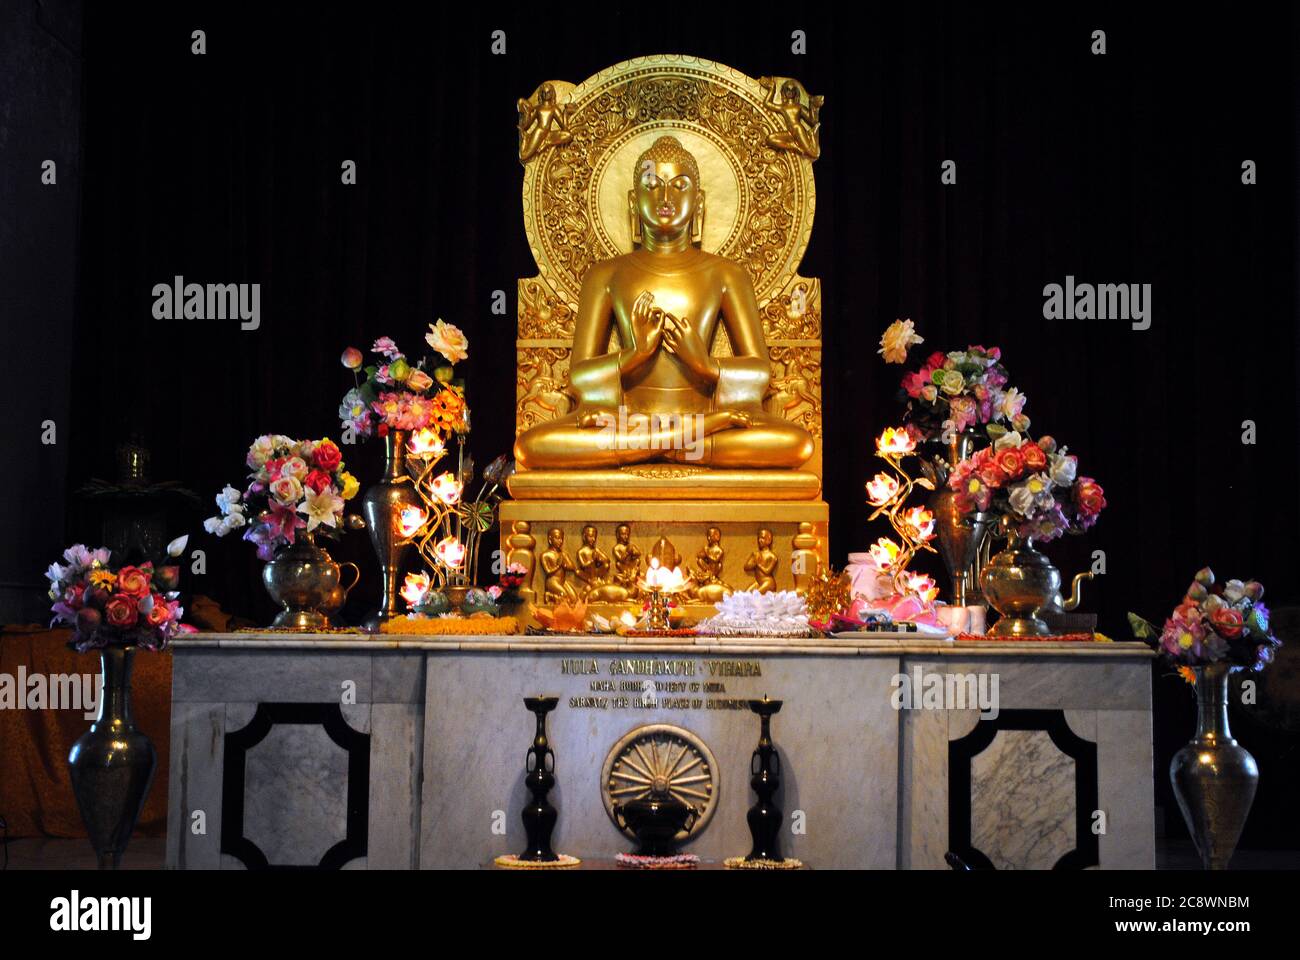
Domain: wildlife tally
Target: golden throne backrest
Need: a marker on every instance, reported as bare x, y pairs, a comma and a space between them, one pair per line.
759, 204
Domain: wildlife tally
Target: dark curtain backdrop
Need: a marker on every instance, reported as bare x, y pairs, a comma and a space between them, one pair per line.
1117, 168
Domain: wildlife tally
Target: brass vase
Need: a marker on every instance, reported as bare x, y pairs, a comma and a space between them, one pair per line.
960, 537
1214, 778
304, 580
112, 764
1018, 582
382, 505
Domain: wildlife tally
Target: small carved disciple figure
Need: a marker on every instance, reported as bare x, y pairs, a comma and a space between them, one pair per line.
593, 567
556, 566
543, 124
627, 560
800, 123
710, 587
522, 543
805, 561
762, 563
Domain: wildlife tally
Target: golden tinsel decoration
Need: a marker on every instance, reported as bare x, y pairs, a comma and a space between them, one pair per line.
826, 593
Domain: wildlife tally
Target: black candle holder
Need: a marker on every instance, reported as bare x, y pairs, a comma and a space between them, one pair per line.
539, 815
765, 777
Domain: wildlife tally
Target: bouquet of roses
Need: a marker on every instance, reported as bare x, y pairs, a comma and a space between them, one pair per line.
1215, 622
108, 606
294, 484
955, 390
399, 395
1033, 485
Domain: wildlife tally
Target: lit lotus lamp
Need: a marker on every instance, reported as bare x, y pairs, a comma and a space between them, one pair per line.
425, 444
919, 523
660, 580
416, 586
411, 521
884, 552
446, 488
923, 587
881, 489
450, 551
888, 493
896, 441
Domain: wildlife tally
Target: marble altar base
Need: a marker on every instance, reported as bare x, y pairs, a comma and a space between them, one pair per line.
401, 752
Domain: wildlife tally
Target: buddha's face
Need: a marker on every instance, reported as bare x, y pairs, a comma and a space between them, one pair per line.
666, 197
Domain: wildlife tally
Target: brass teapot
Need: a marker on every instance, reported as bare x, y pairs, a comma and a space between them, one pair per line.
304, 580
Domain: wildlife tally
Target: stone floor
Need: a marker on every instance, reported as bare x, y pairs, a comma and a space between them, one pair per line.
146, 853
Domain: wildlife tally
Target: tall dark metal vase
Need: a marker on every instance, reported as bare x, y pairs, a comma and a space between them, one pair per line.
112, 764
960, 537
765, 777
539, 765
382, 505
1214, 777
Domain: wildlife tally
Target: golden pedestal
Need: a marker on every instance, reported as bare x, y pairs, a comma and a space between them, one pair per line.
684, 523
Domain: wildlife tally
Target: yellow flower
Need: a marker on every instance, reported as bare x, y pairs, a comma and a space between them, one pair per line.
102, 578
898, 336
448, 340
350, 486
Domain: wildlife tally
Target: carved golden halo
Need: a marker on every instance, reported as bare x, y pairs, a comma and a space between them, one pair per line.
760, 200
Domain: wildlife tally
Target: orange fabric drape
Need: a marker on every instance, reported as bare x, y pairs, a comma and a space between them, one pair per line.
35, 791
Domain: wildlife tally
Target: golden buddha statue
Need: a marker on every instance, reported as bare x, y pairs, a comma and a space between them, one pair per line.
668, 351
661, 395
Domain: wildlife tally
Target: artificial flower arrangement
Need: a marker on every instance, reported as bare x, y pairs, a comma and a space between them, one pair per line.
1031, 487
294, 485
1215, 622
399, 395
109, 605
953, 391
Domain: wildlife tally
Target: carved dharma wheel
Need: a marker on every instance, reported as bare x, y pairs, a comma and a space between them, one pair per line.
662, 759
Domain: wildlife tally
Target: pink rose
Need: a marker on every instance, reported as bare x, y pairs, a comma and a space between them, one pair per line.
158, 614
133, 582
122, 611
1227, 622
1090, 497
1010, 461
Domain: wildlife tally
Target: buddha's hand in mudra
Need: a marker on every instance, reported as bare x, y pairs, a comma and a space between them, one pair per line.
684, 343
647, 326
